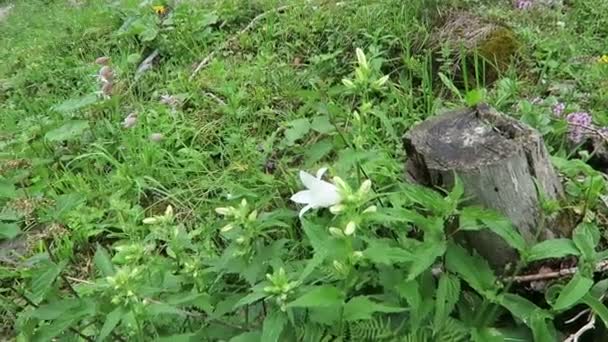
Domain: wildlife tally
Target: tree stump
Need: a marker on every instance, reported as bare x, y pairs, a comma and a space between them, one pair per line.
499, 161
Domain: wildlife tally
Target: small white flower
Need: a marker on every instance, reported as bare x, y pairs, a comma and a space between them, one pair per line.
319, 193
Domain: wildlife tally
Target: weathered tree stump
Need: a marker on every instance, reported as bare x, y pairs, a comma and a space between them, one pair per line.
499, 160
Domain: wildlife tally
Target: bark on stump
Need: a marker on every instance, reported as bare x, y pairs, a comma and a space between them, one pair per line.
498, 160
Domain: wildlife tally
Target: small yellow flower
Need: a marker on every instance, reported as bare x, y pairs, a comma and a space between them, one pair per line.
160, 10
603, 59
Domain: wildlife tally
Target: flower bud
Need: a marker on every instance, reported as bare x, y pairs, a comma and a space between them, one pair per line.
365, 187
370, 209
381, 81
169, 211
336, 209
227, 228
224, 211
361, 58
357, 254
240, 240
150, 220
350, 228
348, 83
342, 185
338, 266
336, 232
253, 215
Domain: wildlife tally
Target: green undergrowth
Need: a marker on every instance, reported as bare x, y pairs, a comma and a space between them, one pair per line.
163, 210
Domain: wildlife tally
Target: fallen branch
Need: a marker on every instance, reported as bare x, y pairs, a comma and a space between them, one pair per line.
599, 267
225, 44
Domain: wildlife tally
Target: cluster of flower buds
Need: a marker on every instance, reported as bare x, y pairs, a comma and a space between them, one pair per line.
105, 76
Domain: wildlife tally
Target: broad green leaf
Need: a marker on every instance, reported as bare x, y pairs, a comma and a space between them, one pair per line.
297, 130
473, 269
75, 104
9, 230
362, 308
70, 130
380, 252
321, 296
112, 320
425, 255
103, 262
250, 298
487, 335
273, 326
586, 236
411, 292
163, 309
201, 301
448, 292
475, 218
178, 338
44, 277
427, 198
519, 307
317, 151
317, 236
457, 192
597, 307
7, 189
54, 309
555, 248
322, 125
599, 289
48, 332
576, 288
65, 203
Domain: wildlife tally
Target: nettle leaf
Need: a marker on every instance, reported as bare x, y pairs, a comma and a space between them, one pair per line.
54, 309
425, 255
44, 278
7, 189
473, 269
250, 336
457, 192
9, 230
250, 298
317, 151
381, 252
427, 198
320, 296
322, 124
201, 301
448, 292
586, 236
519, 307
76, 104
554, 248
103, 262
576, 288
471, 217
297, 130
112, 320
69, 131
274, 324
542, 330
362, 308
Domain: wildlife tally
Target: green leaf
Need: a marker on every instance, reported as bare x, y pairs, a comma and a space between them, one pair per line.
7, 189
380, 252
450, 85
427, 198
297, 130
317, 236
586, 236
75, 104
362, 308
111, 322
70, 130
576, 288
54, 309
457, 192
475, 97
473, 269
273, 326
322, 125
44, 277
425, 255
251, 336
201, 301
163, 309
178, 338
320, 296
519, 307
250, 298
597, 307
317, 151
542, 330
470, 218
555, 248
448, 292
9, 230
103, 262
487, 335
48, 332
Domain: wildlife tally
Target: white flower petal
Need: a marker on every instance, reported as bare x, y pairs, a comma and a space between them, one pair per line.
304, 210
304, 196
321, 172
308, 180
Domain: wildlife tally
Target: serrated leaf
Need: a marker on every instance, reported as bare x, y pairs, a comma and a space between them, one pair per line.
44, 277
380, 252
586, 236
519, 307
576, 288
7, 189
201, 301
362, 308
297, 130
597, 307
317, 151
250, 298
425, 256
9, 230
555, 248
48, 332
163, 309
427, 198
103, 262
322, 124
70, 130
320, 296
472, 269
274, 324
448, 292
475, 218
75, 104
457, 191
112, 320
54, 309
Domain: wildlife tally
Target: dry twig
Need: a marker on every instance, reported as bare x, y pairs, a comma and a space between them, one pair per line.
599, 267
